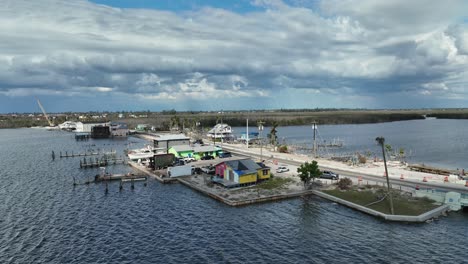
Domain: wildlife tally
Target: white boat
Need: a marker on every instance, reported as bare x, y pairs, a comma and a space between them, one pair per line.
219, 131
143, 153
68, 125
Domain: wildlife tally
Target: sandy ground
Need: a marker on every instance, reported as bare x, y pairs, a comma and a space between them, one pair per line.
273, 160
396, 169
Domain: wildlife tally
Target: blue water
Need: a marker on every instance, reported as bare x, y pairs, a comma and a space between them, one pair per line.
43, 219
437, 142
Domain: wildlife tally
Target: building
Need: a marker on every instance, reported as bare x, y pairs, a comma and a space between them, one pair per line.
171, 140
118, 129
142, 127
233, 173
100, 132
196, 152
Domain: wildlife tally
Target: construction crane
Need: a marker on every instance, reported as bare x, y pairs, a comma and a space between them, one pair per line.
45, 114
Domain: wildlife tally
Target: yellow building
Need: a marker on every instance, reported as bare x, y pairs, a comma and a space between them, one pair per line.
242, 172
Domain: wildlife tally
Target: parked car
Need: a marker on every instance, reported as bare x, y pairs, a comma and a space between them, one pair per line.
281, 169
189, 159
178, 162
225, 155
207, 157
208, 169
330, 175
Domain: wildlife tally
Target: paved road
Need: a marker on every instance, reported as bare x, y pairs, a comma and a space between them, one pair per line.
366, 177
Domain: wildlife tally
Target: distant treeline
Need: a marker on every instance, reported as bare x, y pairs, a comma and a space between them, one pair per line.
168, 119
449, 115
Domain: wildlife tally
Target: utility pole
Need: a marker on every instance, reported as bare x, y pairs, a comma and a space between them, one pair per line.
260, 129
247, 133
314, 128
381, 141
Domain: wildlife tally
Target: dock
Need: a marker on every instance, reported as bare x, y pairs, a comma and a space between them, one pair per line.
432, 170
82, 137
122, 177
154, 174
84, 164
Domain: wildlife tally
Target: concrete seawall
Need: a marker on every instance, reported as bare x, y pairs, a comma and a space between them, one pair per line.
245, 201
398, 218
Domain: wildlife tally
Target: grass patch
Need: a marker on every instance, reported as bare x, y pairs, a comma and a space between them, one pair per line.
403, 204
274, 183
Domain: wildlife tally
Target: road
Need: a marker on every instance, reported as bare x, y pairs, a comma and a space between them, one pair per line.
365, 177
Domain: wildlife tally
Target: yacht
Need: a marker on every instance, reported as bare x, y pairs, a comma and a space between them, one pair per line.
143, 153
220, 131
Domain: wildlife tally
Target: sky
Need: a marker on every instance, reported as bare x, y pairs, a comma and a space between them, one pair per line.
133, 55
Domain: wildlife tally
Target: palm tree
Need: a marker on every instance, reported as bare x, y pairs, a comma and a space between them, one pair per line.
272, 136
381, 141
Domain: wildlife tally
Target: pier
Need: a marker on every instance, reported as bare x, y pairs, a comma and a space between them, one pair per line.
154, 174
432, 170
85, 154
82, 137
84, 164
122, 177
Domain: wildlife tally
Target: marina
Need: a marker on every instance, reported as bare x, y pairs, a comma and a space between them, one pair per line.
292, 211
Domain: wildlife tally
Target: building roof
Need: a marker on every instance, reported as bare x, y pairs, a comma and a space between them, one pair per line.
171, 137
244, 166
195, 149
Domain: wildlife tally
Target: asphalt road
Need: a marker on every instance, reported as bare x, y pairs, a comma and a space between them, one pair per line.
366, 177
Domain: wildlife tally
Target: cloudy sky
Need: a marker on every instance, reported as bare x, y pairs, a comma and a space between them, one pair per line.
80, 55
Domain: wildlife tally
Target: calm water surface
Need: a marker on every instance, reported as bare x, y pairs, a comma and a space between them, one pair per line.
437, 142
43, 219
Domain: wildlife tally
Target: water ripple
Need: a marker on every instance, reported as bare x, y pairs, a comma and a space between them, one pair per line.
43, 219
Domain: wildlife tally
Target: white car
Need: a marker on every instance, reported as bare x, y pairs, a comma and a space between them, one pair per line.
281, 169
189, 159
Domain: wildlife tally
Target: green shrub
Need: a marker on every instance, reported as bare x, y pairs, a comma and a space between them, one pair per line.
283, 149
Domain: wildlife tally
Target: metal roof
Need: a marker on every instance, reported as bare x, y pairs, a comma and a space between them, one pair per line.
195, 149
243, 166
171, 137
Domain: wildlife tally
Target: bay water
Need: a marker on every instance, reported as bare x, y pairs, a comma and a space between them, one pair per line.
45, 219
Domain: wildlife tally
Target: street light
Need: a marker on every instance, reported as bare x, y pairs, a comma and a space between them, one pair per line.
260, 128
314, 128
381, 141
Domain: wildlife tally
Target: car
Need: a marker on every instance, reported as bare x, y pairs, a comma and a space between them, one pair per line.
178, 162
225, 155
281, 169
207, 157
329, 175
208, 169
189, 159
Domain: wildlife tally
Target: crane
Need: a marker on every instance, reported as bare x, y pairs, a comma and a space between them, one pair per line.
45, 114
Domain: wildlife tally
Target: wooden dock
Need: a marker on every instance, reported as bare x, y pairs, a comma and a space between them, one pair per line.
154, 174
82, 137
122, 177
84, 164
433, 170
85, 154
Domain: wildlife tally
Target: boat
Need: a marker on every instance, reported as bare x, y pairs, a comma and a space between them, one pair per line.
68, 126
143, 153
220, 131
